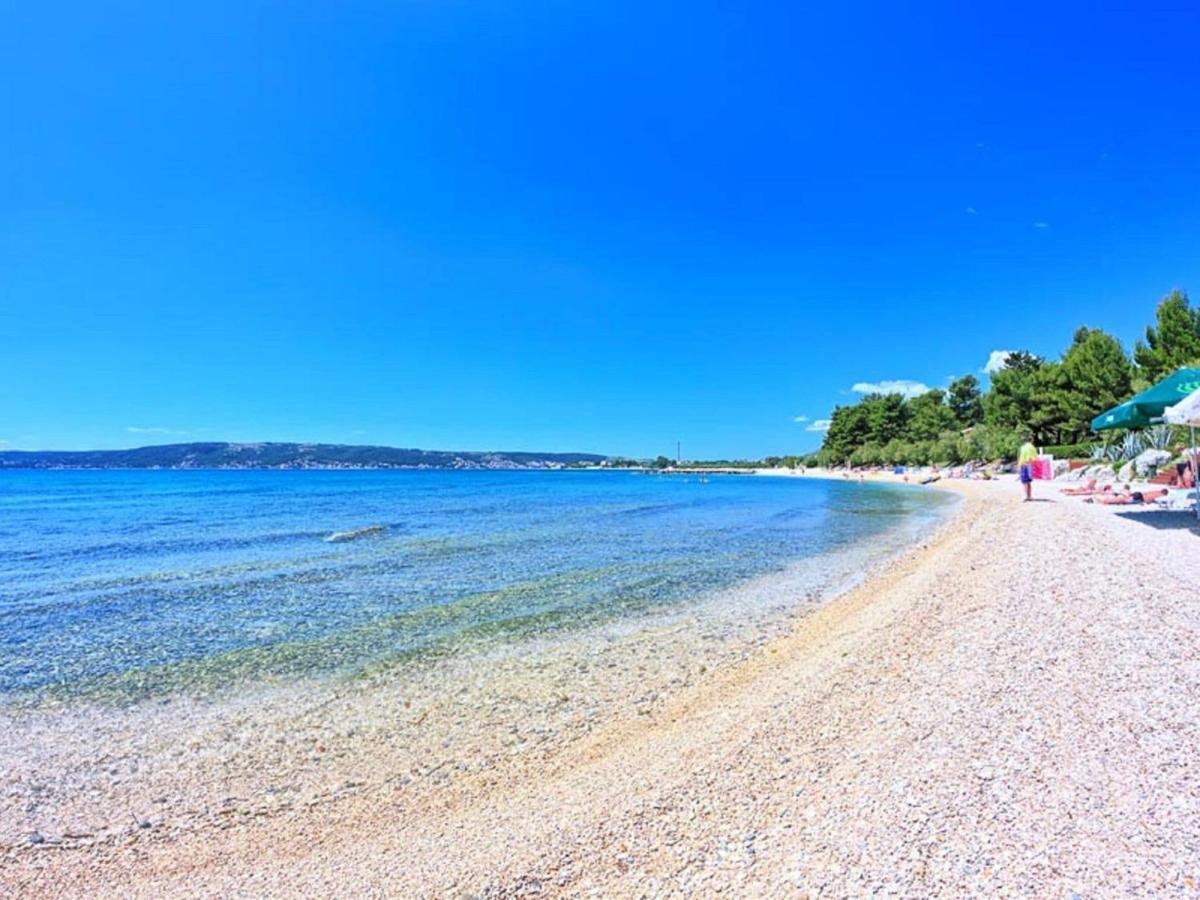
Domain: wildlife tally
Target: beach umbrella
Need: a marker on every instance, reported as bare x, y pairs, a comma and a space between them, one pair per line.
1187, 412
1147, 407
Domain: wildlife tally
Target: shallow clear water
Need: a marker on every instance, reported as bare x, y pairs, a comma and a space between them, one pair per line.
135, 582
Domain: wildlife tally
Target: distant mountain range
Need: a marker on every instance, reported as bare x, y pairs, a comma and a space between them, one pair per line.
285, 456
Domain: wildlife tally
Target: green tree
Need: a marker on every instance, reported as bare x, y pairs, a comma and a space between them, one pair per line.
947, 450
896, 451
1097, 376
1029, 395
868, 454
848, 430
988, 442
887, 416
929, 416
972, 444
966, 400
1050, 416
920, 453
1023, 361
1010, 400
1173, 341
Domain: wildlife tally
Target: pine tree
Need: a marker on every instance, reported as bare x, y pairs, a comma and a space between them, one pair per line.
1172, 342
966, 401
929, 416
1097, 376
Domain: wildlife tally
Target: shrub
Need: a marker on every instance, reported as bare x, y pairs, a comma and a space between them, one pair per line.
895, 452
867, 455
993, 442
946, 449
1131, 445
972, 445
1157, 437
920, 453
1070, 451
824, 459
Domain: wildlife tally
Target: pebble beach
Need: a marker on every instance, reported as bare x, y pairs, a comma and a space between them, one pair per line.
1010, 708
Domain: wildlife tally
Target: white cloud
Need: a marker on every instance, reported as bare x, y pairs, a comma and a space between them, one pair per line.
904, 386
1041, 224
996, 361
800, 419
971, 211
818, 425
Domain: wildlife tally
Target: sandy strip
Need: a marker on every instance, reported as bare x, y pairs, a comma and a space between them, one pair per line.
1011, 710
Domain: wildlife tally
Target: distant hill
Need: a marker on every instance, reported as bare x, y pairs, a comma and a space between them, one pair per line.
285, 456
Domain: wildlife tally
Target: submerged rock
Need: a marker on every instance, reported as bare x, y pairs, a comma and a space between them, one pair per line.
354, 534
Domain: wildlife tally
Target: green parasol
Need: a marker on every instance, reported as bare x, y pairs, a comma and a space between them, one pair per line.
1147, 407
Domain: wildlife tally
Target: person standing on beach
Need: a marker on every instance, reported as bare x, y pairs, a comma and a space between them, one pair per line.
1025, 457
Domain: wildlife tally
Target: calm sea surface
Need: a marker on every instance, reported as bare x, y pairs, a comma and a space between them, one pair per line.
126, 584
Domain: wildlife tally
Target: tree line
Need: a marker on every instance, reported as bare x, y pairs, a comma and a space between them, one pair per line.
1051, 402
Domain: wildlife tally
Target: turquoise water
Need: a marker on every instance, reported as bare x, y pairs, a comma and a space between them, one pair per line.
134, 583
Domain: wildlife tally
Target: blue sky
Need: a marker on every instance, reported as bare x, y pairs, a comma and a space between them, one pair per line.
568, 226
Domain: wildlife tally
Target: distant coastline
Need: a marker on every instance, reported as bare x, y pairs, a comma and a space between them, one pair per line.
269, 455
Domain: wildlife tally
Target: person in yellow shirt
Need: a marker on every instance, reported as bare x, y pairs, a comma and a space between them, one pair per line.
1025, 458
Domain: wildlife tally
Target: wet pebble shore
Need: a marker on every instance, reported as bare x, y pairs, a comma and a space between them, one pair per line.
1012, 710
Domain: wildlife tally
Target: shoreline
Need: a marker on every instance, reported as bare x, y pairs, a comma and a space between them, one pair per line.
201, 677
704, 634
770, 749
545, 697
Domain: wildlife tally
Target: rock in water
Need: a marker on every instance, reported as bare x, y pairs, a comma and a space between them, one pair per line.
353, 535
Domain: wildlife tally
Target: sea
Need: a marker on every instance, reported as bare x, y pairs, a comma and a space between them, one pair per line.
127, 585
